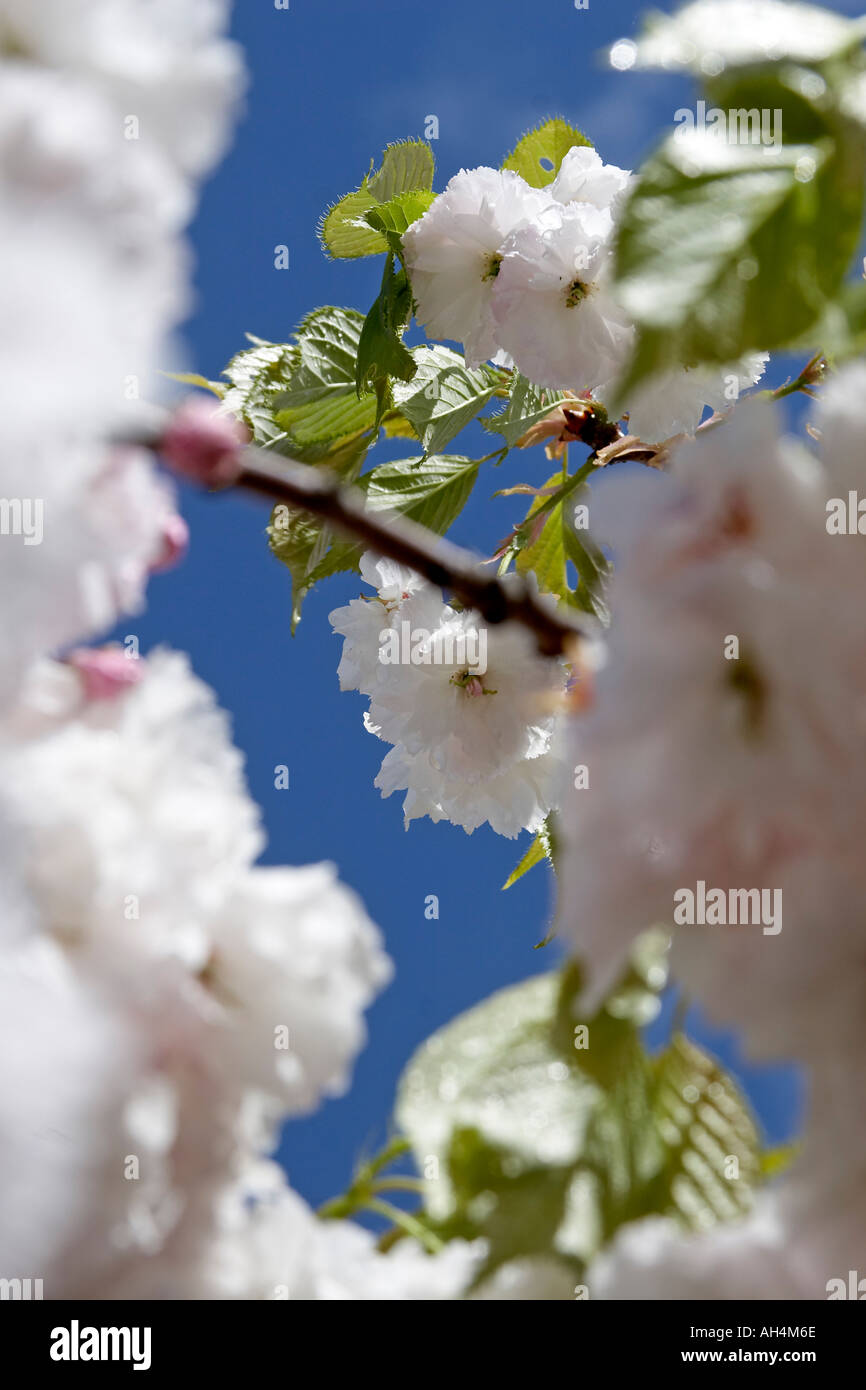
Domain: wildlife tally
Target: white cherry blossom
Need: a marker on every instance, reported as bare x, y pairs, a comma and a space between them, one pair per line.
454, 254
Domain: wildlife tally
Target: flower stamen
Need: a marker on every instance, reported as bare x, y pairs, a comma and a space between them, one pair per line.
470, 682
577, 291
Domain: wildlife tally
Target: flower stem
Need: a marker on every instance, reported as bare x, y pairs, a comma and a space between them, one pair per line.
408, 1223
397, 1183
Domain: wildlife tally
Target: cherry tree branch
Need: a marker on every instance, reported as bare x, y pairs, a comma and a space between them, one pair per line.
211, 447
444, 564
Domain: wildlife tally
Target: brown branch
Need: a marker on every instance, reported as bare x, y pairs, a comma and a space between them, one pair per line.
209, 449
444, 564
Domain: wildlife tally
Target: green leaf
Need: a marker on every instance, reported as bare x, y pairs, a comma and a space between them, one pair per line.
539, 154
406, 166
712, 1163
750, 100
300, 399
322, 420
713, 31
636, 997
498, 1058
726, 245
431, 490
345, 233
547, 540
519, 1123
550, 1133
395, 217
193, 379
823, 121
444, 395
328, 345
538, 851
319, 409
527, 406
723, 249
558, 542
589, 561
314, 430
307, 546
518, 1207
308, 550
381, 354
841, 330
257, 376
545, 557
396, 426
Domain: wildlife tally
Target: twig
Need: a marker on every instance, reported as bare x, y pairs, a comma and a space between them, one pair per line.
810, 376
408, 1223
446, 565
216, 458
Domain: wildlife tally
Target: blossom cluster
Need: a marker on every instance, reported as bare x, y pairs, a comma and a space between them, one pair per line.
474, 741
519, 275
523, 275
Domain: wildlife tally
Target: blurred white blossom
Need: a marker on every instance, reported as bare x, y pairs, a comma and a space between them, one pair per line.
204, 999
674, 402
717, 747
800, 1241
107, 110
279, 1250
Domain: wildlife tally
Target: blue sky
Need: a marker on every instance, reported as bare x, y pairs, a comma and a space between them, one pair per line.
330, 85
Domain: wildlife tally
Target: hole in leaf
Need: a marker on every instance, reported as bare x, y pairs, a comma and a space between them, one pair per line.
546, 164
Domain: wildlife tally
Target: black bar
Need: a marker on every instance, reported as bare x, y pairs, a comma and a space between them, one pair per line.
268, 1338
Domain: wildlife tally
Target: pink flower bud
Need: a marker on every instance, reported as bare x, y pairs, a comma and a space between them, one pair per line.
105, 672
175, 542
204, 443
474, 687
